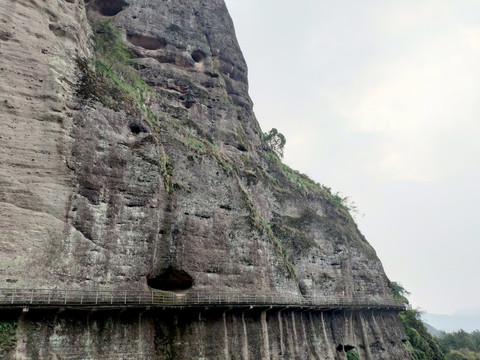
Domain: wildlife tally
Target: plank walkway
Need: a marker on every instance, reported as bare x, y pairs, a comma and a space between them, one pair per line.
96, 299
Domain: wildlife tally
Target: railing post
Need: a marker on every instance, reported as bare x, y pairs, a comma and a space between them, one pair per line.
49, 295
152, 297
65, 296
96, 298
125, 297
81, 299
111, 298
31, 297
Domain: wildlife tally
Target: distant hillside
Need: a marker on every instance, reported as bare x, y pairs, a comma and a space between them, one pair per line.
466, 320
432, 331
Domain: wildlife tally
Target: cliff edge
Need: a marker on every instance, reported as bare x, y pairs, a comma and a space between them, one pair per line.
132, 160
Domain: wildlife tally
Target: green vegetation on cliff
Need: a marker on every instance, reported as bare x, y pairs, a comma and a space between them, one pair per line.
352, 355
110, 77
421, 345
276, 140
8, 336
458, 345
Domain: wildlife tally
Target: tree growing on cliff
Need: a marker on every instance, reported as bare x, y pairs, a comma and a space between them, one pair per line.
276, 141
399, 292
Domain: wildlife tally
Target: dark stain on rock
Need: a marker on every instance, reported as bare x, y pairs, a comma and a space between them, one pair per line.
5, 35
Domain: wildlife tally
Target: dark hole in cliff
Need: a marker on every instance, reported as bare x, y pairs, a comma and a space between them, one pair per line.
303, 288
137, 128
349, 347
188, 104
147, 42
198, 56
5, 36
171, 279
140, 66
242, 147
109, 7
340, 347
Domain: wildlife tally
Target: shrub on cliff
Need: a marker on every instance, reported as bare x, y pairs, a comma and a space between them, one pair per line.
421, 345
276, 141
110, 77
8, 336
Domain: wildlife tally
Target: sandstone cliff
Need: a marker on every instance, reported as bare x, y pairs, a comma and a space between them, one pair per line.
151, 171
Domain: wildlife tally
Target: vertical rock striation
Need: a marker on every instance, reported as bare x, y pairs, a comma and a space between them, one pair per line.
169, 185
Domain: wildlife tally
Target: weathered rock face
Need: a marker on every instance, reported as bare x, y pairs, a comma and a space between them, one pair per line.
180, 192
233, 334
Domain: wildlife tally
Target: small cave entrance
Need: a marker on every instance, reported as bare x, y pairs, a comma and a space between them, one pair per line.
346, 348
198, 56
147, 42
171, 279
137, 128
109, 7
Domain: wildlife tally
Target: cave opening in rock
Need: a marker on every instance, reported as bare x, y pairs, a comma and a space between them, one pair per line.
137, 128
109, 7
340, 347
198, 56
147, 42
171, 279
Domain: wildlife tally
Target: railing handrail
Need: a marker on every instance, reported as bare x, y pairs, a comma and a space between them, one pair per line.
101, 297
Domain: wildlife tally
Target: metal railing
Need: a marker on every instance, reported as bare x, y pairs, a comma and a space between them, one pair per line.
120, 298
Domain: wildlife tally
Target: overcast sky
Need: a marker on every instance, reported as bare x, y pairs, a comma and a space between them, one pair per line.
380, 100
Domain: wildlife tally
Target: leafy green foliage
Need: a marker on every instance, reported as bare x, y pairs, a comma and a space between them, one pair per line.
8, 336
352, 355
424, 346
421, 345
461, 345
463, 354
399, 292
276, 141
